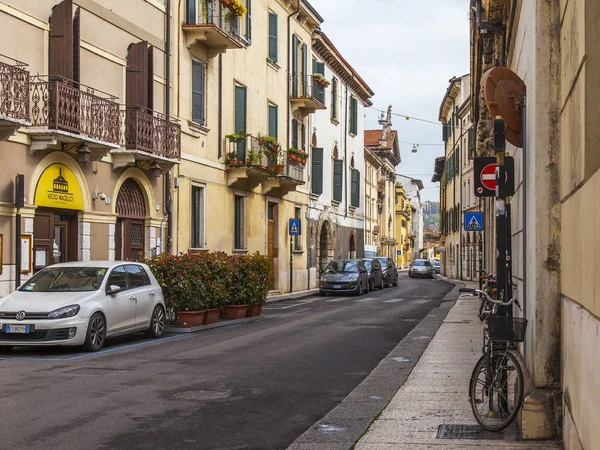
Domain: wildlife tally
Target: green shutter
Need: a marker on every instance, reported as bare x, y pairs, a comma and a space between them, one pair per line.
338, 179
198, 83
444, 132
294, 133
355, 189
249, 21
273, 121
304, 70
238, 244
240, 119
334, 98
355, 116
319, 67
303, 137
273, 37
317, 171
192, 12
294, 66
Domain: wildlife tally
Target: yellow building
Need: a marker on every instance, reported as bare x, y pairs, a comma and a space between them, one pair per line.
236, 193
82, 118
404, 227
372, 204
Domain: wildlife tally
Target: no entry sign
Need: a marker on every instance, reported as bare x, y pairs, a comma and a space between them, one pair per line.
485, 176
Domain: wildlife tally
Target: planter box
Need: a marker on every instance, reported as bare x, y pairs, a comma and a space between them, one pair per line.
233, 312
254, 311
212, 316
189, 319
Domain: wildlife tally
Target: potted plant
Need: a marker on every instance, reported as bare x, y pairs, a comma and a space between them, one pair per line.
234, 12
236, 137
232, 157
258, 274
253, 157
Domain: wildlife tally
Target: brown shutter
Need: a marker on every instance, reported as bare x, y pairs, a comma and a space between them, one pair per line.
76, 42
150, 78
61, 40
137, 75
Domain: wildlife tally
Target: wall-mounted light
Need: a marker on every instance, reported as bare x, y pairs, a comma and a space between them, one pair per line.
84, 154
154, 170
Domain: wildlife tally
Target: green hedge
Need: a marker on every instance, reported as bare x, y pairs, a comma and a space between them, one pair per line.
196, 281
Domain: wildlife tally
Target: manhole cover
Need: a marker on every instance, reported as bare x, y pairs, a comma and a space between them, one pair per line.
451, 431
202, 395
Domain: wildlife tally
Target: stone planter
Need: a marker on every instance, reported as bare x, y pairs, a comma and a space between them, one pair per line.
190, 319
212, 316
233, 312
254, 311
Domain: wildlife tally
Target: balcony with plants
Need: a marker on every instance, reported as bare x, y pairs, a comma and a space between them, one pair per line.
215, 24
307, 97
14, 96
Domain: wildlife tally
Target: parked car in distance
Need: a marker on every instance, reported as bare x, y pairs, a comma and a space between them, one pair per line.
375, 273
83, 303
390, 272
436, 267
420, 268
344, 276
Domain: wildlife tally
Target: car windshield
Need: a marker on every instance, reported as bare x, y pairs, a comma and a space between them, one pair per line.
383, 262
421, 263
368, 264
342, 266
65, 279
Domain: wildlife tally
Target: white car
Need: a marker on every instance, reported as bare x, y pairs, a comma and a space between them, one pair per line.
83, 303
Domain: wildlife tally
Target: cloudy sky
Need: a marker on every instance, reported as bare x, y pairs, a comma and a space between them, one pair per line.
406, 51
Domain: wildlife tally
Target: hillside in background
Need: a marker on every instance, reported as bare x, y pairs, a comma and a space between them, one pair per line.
431, 215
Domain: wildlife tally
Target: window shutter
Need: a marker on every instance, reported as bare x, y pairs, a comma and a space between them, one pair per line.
273, 37
249, 21
198, 83
192, 12
319, 67
445, 132
150, 79
317, 171
303, 137
355, 188
273, 121
76, 48
338, 179
472, 143
355, 116
195, 217
238, 244
240, 119
61, 40
137, 75
294, 66
304, 70
334, 98
294, 133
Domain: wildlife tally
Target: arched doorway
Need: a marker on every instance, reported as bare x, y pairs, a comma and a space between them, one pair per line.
131, 213
352, 247
325, 246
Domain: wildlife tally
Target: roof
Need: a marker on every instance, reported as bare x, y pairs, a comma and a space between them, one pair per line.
391, 147
414, 181
372, 138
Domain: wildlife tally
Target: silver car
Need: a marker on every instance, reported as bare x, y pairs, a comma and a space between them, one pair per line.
420, 268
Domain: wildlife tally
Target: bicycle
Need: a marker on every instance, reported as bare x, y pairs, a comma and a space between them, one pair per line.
490, 287
497, 383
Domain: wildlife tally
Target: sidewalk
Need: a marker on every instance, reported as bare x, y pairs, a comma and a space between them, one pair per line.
436, 392
291, 295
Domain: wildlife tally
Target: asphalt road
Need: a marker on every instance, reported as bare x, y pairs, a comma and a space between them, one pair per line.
257, 385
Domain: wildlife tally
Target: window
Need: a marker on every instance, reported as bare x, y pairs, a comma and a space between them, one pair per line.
198, 90
273, 37
240, 119
273, 121
318, 90
298, 215
294, 65
294, 133
198, 217
317, 171
192, 12
355, 188
240, 225
137, 276
334, 101
248, 34
118, 277
338, 179
353, 119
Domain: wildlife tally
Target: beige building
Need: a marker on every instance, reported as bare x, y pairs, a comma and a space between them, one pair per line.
373, 201
550, 47
404, 228
384, 145
82, 118
238, 76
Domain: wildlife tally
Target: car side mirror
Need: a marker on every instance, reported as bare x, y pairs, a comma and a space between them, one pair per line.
113, 290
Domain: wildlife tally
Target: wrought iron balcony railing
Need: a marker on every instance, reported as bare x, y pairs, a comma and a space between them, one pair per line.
62, 104
307, 87
14, 89
151, 132
248, 152
214, 13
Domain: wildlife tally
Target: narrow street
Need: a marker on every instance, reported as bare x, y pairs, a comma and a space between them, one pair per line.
253, 386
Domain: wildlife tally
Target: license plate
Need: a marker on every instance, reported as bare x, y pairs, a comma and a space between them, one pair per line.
17, 328
337, 286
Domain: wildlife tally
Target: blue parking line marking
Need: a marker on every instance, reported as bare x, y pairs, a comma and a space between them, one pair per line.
87, 355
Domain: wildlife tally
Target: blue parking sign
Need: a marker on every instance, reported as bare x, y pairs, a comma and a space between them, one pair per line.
294, 227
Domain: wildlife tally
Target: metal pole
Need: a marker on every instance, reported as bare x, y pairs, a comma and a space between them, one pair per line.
291, 264
18, 250
501, 225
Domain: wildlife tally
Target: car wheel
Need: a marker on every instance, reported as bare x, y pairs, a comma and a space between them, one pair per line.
157, 322
396, 282
359, 289
371, 286
383, 283
96, 333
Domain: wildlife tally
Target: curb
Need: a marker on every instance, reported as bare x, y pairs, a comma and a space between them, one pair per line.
292, 296
220, 324
344, 425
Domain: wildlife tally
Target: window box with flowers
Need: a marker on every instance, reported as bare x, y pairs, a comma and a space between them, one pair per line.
235, 10
296, 155
320, 79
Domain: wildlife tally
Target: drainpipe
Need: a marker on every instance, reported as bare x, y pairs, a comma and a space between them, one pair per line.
167, 178
346, 154
289, 21
524, 295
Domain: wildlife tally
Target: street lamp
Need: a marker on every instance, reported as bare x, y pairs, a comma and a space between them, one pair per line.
154, 170
84, 154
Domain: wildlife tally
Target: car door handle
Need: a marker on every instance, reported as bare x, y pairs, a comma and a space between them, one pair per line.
133, 298
152, 294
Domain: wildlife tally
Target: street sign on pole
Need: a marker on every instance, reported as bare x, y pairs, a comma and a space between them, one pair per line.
473, 221
294, 227
485, 177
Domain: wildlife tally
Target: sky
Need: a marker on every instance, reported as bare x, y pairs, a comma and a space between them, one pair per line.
406, 51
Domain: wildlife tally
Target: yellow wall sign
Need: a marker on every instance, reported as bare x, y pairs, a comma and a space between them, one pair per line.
58, 188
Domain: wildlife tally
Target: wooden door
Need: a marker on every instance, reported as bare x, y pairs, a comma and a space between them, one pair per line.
130, 239
43, 239
271, 242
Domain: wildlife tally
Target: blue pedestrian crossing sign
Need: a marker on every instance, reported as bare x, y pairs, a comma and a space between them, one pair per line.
473, 221
295, 227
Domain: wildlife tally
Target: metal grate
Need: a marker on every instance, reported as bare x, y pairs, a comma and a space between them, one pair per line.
453, 431
130, 200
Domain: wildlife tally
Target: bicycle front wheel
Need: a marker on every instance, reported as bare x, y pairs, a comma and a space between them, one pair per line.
496, 390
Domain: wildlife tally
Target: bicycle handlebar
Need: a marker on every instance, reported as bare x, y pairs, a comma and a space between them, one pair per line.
490, 299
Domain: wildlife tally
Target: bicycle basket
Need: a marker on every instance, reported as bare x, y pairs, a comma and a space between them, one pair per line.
505, 329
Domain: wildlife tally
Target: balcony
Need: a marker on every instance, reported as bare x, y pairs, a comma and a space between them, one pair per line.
213, 26
14, 96
288, 181
306, 98
148, 136
66, 114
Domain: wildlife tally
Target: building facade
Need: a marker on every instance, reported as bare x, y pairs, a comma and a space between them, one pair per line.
373, 202
336, 207
554, 243
84, 120
384, 145
405, 213
413, 188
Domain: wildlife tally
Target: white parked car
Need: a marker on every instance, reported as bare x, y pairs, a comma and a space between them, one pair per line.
83, 303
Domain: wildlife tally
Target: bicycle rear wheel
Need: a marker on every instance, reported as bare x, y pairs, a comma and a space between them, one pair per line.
496, 392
